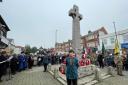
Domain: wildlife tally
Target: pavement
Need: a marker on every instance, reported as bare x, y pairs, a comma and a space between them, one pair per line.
113, 80
116, 80
35, 76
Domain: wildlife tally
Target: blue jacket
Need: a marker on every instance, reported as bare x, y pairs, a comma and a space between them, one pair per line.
45, 59
71, 68
21, 60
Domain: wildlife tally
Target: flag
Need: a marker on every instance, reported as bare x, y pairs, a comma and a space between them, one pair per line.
83, 50
116, 49
103, 48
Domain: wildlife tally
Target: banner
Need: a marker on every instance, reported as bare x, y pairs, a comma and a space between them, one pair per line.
116, 49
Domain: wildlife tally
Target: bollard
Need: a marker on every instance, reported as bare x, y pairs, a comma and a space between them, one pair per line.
97, 75
109, 71
49, 67
93, 67
56, 74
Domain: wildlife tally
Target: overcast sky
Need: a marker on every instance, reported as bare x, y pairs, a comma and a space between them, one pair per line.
34, 22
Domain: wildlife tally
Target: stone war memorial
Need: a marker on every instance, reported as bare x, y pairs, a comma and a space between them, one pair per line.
76, 16
87, 74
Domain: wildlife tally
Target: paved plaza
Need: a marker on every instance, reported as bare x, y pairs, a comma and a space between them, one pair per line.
116, 80
35, 76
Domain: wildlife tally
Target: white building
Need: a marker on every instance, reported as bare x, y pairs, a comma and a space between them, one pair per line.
109, 40
18, 49
11, 44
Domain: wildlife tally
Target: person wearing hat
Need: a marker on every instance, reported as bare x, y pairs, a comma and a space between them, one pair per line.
3, 65
72, 68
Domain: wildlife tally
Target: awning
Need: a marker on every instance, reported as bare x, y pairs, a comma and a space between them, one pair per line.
124, 45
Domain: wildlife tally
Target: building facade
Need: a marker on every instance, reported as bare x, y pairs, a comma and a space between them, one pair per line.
109, 40
91, 40
18, 49
3, 34
11, 47
64, 47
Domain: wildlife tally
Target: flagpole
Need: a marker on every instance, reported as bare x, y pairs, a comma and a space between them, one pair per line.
116, 40
115, 29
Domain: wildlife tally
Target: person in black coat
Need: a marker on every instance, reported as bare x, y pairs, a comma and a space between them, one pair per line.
126, 66
14, 63
100, 60
30, 61
2, 65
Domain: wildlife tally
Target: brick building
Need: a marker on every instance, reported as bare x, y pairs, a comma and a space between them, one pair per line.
90, 40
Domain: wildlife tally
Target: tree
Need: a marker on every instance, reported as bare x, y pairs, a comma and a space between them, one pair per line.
27, 49
103, 48
34, 49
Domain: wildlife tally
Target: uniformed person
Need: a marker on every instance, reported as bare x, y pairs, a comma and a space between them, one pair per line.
119, 64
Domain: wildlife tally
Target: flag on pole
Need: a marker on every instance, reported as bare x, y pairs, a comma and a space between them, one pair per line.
83, 50
103, 48
116, 49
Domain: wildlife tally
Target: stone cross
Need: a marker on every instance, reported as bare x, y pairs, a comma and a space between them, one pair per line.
76, 37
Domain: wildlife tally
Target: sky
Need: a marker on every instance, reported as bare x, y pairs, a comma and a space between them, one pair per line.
35, 22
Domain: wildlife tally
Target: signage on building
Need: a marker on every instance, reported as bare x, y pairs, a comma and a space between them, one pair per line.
124, 45
4, 40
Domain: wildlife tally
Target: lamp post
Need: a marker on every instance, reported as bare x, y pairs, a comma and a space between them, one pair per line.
56, 39
56, 36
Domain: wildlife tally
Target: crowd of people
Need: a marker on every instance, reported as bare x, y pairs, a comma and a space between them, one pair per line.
16, 63
109, 59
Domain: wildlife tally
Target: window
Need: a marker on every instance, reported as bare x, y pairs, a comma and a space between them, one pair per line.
112, 40
105, 41
90, 37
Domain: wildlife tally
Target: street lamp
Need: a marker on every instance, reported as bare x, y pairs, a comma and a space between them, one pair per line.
56, 37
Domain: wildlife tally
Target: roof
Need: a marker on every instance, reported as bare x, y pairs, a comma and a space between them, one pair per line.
19, 47
121, 32
3, 23
100, 29
93, 32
